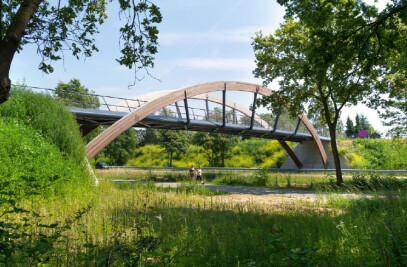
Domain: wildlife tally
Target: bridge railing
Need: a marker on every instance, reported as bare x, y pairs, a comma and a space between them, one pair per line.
110, 103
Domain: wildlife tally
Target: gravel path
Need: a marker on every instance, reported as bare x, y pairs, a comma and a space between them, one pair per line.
264, 195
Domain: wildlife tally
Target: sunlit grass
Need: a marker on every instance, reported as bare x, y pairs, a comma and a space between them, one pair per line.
140, 224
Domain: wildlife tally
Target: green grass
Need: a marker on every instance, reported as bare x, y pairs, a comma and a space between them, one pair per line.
141, 225
363, 182
187, 188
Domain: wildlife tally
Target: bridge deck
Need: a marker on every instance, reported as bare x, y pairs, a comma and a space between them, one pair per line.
104, 117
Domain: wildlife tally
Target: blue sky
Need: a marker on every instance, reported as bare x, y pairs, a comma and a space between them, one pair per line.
200, 41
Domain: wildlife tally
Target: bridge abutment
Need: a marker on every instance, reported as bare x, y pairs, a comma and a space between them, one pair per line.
308, 155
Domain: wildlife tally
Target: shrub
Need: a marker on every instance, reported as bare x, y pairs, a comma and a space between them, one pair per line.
49, 117
194, 154
30, 162
41, 146
261, 178
149, 155
380, 154
240, 161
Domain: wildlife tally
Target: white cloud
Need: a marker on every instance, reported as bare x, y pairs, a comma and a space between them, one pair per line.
216, 63
236, 35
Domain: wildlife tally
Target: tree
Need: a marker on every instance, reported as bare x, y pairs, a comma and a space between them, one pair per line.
221, 144
350, 128
58, 26
392, 107
173, 142
74, 94
324, 59
362, 123
216, 144
148, 136
121, 149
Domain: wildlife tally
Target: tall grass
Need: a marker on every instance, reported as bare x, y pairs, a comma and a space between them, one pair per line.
141, 225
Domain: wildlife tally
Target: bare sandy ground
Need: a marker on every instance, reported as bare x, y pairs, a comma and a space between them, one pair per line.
244, 194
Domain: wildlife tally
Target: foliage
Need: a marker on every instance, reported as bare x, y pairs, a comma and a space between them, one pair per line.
375, 154
148, 136
216, 144
393, 107
392, 104
254, 153
32, 163
246, 153
193, 155
324, 59
361, 123
43, 159
350, 128
58, 27
74, 94
49, 117
148, 155
122, 148
173, 142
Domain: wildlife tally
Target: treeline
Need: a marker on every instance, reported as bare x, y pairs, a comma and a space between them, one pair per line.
353, 130
182, 148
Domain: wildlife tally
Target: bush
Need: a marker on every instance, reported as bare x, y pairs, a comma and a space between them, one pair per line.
41, 146
49, 117
261, 178
30, 162
149, 155
376, 154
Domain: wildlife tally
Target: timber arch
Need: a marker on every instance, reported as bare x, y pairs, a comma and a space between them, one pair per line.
103, 139
121, 106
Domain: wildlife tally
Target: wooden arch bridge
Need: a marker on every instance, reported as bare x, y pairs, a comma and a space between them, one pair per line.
140, 112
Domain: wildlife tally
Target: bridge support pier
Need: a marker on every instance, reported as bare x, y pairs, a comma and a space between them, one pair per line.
307, 153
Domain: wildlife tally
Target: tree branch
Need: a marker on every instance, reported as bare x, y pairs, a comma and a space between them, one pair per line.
15, 31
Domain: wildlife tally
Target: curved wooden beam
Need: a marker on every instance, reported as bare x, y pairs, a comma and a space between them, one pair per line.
211, 98
137, 115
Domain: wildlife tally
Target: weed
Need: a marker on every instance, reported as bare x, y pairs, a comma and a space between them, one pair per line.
261, 178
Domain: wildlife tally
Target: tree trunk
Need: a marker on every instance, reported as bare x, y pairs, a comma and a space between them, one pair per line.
11, 41
171, 159
5, 86
337, 161
332, 132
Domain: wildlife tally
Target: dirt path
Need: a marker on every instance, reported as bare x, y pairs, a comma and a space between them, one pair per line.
265, 195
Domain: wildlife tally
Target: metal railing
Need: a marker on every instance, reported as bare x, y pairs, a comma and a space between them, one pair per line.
176, 110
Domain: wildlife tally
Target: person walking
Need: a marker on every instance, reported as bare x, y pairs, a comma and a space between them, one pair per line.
192, 172
199, 175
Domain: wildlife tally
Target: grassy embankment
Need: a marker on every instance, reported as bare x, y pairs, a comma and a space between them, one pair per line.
51, 215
